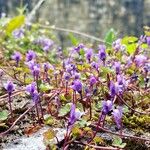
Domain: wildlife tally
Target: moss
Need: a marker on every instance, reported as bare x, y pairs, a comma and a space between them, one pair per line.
140, 122
135, 145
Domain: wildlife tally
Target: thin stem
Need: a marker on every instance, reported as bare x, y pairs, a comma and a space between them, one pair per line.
131, 107
21, 116
99, 121
122, 135
37, 111
10, 106
75, 32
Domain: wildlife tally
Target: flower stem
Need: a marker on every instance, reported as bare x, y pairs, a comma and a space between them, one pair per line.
10, 106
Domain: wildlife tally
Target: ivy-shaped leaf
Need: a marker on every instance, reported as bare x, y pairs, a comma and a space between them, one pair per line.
118, 142
3, 115
110, 37
49, 134
73, 39
65, 110
14, 23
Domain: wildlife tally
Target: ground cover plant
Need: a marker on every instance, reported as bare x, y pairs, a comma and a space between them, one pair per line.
87, 89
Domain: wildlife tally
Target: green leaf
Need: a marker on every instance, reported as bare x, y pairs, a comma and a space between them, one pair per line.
14, 23
49, 120
49, 134
3, 115
118, 142
65, 110
129, 39
106, 70
73, 39
45, 87
131, 43
110, 37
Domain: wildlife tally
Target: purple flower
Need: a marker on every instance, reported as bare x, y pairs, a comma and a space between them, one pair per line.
117, 45
117, 114
76, 76
93, 80
30, 64
31, 88
36, 70
17, 57
117, 67
9, 86
147, 67
77, 86
18, 33
107, 106
102, 53
74, 115
1, 73
81, 45
35, 97
66, 76
30, 55
89, 54
112, 89
95, 65
45, 43
87, 92
140, 60
46, 66
148, 40
71, 68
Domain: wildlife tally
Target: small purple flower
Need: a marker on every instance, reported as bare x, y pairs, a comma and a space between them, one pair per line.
117, 45
17, 57
71, 68
77, 86
30, 55
117, 114
31, 88
46, 66
45, 43
117, 66
74, 115
87, 92
102, 53
9, 86
93, 80
140, 60
147, 67
81, 45
18, 33
148, 40
77, 49
1, 73
76, 76
36, 70
89, 54
112, 89
95, 65
30, 64
35, 97
121, 80
107, 106
66, 76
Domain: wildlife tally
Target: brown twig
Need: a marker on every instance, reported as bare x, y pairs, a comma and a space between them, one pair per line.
144, 113
122, 135
21, 116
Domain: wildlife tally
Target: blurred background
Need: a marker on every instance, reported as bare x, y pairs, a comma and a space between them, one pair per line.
94, 17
